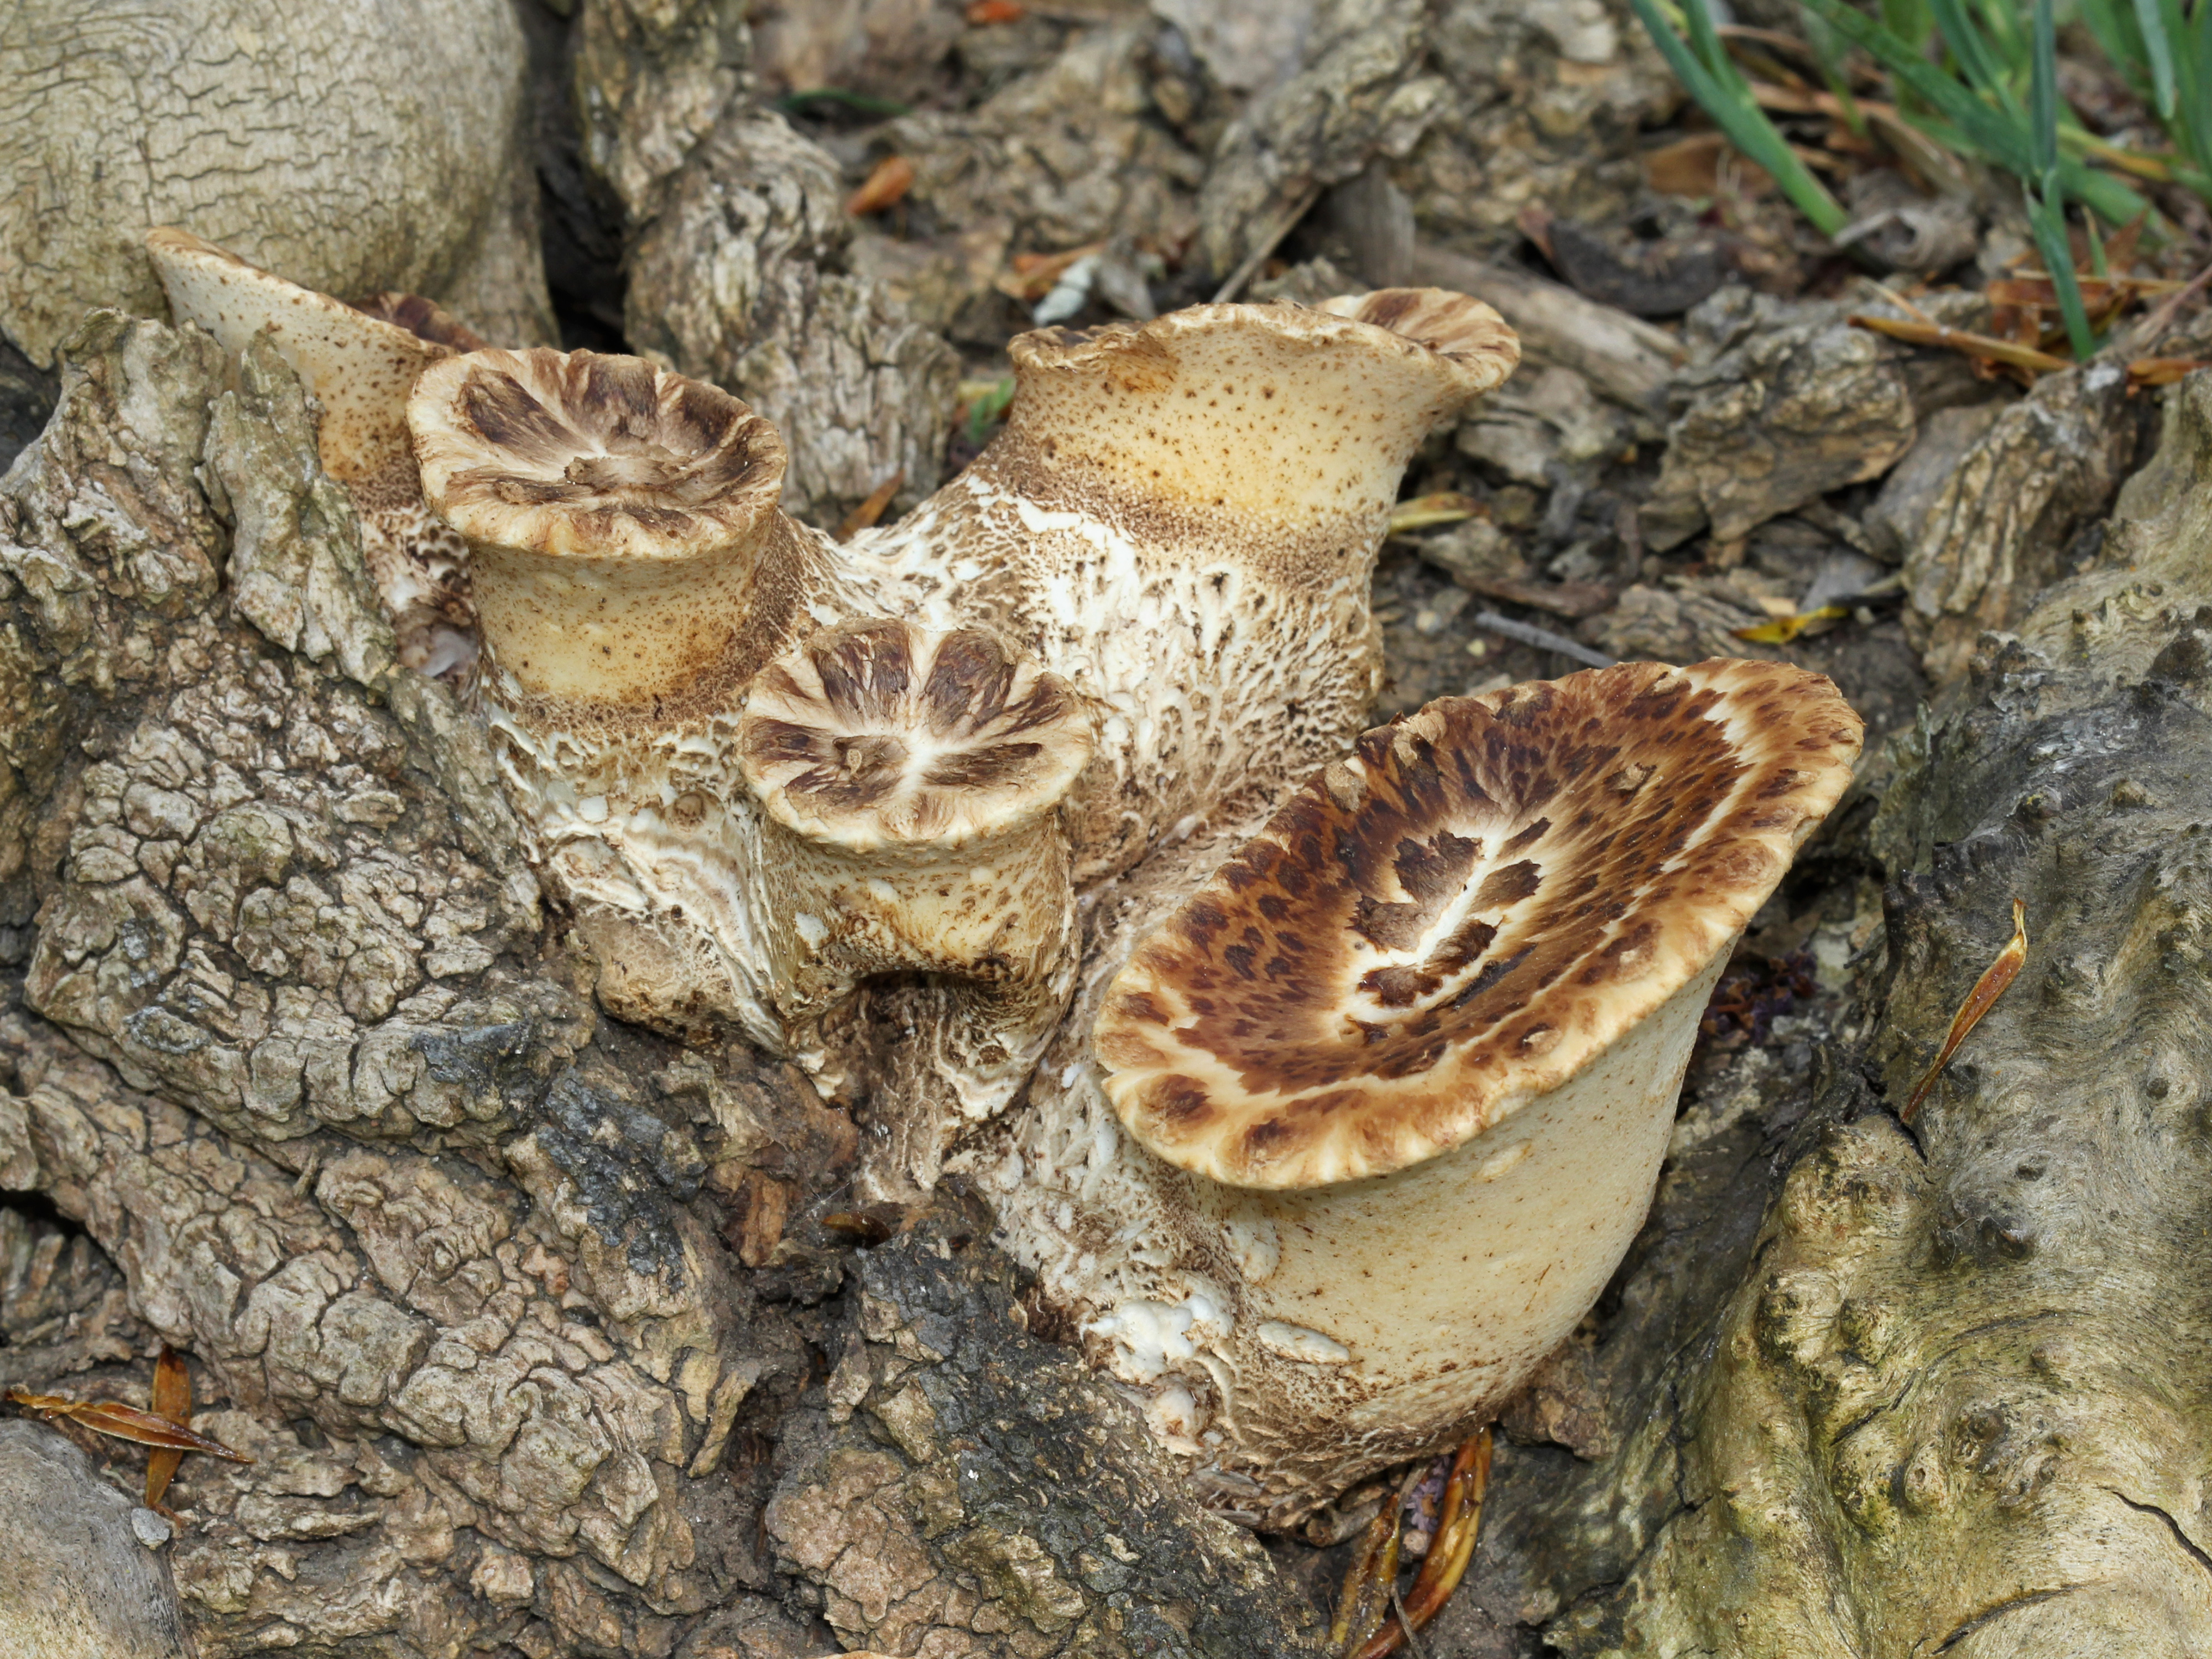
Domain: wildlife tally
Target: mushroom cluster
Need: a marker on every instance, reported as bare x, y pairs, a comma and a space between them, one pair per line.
989, 773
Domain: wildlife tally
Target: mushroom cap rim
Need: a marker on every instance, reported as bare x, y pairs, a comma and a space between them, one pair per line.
1321, 1161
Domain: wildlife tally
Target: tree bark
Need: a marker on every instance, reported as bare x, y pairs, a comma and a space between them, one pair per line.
352, 150
509, 1302
1946, 1395
548, 1333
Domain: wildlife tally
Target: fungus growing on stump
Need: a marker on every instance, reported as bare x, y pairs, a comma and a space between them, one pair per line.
910, 783
1400, 1076
1181, 518
632, 573
360, 365
1179, 524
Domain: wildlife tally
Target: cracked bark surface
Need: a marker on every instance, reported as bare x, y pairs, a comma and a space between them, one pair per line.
508, 1301
361, 170
1947, 1395
537, 1332
741, 279
959, 1489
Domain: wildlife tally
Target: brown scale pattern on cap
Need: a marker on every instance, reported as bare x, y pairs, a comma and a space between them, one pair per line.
587, 454
879, 732
631, 570
1462, 331
426, 319
1463, 915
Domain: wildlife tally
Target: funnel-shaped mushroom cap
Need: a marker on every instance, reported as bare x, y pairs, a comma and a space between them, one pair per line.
622, 520
360, 367
882, 734
1293, 415
1463, 915
582, 455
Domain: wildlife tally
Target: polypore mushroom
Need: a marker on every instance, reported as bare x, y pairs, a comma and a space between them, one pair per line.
1183, 518
910, 783
632, 574
360, 365
1179, 522
1396, 1083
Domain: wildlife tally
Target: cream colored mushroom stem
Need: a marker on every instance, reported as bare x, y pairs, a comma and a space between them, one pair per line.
361, 367
632, 573
1182, 520
910, 783
1387, 1096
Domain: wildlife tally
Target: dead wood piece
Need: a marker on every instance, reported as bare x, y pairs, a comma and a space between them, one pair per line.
1894, 521
651, 78
823, 353
1543, 102
961, 1475
1799, 403
1994, 535
1362, 90
1622, 357
1070, 153
63, 1307
335, 181
2151, 575
81, 1574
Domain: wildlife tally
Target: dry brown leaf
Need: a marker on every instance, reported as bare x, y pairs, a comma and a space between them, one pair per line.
1987, 989
862, 517
122, 1422
886, 185
171, 1398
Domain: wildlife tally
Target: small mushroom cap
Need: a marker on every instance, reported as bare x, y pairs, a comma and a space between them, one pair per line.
879, 733
580, 454
1462, 915
1289, 413
360, 367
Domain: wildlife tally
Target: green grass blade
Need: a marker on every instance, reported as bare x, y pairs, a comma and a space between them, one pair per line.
1722, 93
1955, 119
2112, 22
2046, 218
2008, 47
1999, 137
2157, 54
2192, 128
1968, 45
2102, 193
1830, 56
1908, 19
2043, 96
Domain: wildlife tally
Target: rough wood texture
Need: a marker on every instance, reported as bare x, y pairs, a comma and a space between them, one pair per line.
741, 280
509, 1302
386, 149
1947, 1397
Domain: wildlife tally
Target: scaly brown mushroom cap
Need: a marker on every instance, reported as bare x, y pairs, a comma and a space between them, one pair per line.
584, 455
1464, 914
623, 529
880, 733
